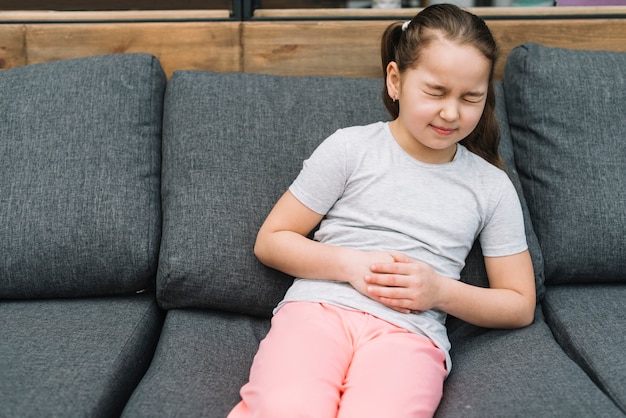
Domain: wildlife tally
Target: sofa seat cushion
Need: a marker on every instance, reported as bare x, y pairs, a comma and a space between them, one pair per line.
202, 360
80, 176
74, 357
590, 324
520, 373
566, 112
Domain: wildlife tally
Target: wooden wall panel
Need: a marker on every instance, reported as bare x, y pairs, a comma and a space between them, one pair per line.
337, 48
592, 34
290, 47
352, 48
212, 46
12, 46
112, 4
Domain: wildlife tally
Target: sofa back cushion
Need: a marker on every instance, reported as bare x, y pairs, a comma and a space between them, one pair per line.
232, 144
566, 112
80, 176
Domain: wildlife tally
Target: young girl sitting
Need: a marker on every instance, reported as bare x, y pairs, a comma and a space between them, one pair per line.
361, 332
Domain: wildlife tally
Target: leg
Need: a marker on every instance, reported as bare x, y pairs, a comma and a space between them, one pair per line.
394, 373
300, 366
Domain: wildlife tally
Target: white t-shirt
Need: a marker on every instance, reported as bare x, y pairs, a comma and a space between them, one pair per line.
377, 197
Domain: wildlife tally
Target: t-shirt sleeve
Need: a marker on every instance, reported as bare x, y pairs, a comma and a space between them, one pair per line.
504, 232
322, 180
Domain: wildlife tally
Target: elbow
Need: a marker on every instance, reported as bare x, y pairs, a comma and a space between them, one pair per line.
527, 315
258, 250
262, 249
527, 320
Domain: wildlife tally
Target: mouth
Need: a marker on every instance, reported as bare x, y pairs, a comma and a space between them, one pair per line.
443, 130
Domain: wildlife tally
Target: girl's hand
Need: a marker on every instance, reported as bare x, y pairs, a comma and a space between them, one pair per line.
360, 262
405, 285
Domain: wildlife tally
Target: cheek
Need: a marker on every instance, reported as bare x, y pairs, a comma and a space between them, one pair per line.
473, 115
421, 109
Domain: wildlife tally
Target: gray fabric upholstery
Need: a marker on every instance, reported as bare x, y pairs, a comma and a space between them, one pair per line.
79, 176
202, 360
74, 357
232, 144
589, 322
519, 373
566, 111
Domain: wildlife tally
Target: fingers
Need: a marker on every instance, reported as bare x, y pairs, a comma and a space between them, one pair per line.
388, 290
386, 279
401, 264
399, 305
401, 258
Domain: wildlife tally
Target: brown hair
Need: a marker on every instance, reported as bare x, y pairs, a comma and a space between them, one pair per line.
404, 48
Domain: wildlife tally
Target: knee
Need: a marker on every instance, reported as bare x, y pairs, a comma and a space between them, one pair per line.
284, 404
291, 402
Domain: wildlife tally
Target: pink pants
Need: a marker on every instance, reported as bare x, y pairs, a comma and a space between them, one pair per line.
322, 361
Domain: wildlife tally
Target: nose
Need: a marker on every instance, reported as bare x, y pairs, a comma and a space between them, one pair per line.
450, 111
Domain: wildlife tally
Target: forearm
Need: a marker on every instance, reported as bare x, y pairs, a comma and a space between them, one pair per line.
509, 302
486, 307
302, 257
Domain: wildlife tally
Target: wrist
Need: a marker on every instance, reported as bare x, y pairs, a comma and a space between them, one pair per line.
445, 290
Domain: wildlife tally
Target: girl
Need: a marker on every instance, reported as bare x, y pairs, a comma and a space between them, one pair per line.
361, 332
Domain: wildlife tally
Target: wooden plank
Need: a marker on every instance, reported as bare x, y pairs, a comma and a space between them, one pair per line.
12, 46
590, 34
352, 48
109, 16
111, 4
335, 48
407, 13
211, 46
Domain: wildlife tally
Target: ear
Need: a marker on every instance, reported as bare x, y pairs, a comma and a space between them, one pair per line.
393, 80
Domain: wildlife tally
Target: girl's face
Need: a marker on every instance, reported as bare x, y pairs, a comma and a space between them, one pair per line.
441, 99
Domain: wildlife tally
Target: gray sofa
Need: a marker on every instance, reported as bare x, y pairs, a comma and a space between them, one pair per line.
129, 205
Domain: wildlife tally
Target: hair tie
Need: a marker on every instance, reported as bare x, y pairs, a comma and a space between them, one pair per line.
405, 25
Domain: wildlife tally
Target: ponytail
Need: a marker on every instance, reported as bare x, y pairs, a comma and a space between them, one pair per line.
388, 53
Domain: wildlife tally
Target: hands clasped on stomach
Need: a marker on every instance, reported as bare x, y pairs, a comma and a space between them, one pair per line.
395, 280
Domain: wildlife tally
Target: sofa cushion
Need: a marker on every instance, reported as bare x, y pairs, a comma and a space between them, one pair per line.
74, 357
232, 144
590, 322
79, 176
522, 372
566, 111
201, 362
519, 373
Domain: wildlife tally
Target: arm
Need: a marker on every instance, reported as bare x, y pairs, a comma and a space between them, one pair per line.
509, 302
282, 244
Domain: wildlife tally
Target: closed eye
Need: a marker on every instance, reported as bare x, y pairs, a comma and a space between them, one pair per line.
433, 94
474, 98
